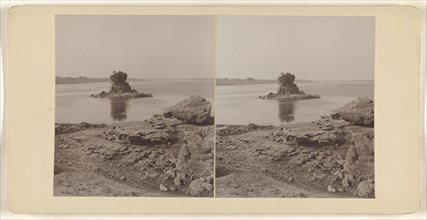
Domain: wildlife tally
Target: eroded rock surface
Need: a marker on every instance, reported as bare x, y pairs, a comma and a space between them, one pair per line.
161, 122
70, 128
157, 157
327, 158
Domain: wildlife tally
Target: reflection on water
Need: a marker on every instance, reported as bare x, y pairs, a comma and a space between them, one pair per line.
238, 105
119, 110
73, 104
286, 111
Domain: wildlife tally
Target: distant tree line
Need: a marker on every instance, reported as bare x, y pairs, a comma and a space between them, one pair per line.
84, 79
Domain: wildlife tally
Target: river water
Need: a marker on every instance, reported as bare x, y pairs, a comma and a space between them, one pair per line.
235, 104
238, 104
74, 104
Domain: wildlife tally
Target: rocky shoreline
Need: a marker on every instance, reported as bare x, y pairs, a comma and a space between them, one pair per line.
161, 156
330, 157
172, 155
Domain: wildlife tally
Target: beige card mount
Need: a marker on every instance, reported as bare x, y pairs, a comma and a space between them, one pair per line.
30, 116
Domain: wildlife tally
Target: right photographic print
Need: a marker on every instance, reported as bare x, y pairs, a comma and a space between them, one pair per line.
295, 107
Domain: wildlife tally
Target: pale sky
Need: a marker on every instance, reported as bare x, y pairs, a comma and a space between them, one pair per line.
312, 48
142, 46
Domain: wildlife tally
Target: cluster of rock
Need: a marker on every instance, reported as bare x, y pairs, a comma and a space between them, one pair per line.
288, 90
196, 157
143, 137
327, 123
192, 110
120, 89
309, 138
349, 173
168, 150
161, 122
190, 170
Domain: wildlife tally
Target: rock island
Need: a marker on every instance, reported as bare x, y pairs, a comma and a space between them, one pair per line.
288, 90
120, 89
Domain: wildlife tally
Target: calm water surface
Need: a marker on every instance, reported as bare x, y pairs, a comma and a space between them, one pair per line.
239, 104
236, 104
74, 104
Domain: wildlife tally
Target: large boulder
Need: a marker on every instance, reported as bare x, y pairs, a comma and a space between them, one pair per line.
357, 112
193, 110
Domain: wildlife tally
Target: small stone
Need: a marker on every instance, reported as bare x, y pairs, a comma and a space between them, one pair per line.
177, 181
210, 179
352, 154
290, 179
122, 178
331, 189
231, 147
365, 188
338, 174
345, 182
198, 187
169, 174
181, 175
163, 188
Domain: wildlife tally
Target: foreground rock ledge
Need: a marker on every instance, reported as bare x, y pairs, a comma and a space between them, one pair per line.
157, 157
330, 157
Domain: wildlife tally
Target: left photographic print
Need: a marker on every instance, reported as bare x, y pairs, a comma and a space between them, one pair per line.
134, 106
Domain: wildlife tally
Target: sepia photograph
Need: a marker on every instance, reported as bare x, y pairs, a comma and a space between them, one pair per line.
229, 110
134, 106
295, 107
